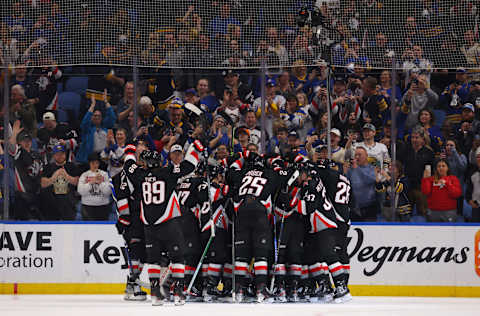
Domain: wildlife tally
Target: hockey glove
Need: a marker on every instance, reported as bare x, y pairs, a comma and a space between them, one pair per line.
122, 224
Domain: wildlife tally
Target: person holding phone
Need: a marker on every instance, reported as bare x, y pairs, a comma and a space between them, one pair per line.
442, 190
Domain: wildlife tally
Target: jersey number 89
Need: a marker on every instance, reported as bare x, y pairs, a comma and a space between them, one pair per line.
153, 192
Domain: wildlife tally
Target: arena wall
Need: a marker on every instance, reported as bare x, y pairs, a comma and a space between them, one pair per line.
386, 260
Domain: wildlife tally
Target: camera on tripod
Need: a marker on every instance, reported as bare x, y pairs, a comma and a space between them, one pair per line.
312, 18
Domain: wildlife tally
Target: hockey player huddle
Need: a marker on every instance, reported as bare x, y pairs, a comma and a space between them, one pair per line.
288, 219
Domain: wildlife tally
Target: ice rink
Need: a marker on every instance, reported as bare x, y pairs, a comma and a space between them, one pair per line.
106, 305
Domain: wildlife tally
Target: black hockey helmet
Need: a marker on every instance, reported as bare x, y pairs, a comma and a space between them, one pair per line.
151, 158
254, 160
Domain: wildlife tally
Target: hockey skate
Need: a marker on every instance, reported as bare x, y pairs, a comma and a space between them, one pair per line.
342, 293
262, 294
133, 292
293, 295
280, 294
157, 294
179, 298
210, 292
240, 294
226, 294
195, 295
324, 293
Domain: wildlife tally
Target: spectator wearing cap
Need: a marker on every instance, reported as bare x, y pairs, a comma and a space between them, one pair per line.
53, 133
220, 133
363, 181
28, 166
377, 152
240, 89
191, 96
176, 155
274, 103
95, 191
114, 151
94, 130
455, 96
472, 192
293, 116
418, 97
295, 143
242, 140
416, 157
59, 181
338, 152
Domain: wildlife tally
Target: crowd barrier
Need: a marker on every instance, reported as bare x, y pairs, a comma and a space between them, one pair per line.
386, 259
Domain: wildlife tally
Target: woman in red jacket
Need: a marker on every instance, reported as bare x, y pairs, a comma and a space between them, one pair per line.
442, 191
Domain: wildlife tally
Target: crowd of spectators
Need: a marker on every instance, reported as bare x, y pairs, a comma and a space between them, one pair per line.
68, 125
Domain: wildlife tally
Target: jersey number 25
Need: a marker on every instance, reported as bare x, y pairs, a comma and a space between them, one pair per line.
252, 186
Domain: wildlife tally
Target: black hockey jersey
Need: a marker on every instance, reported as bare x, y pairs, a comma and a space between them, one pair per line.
49, 139
314, 204
159, 201
338, 191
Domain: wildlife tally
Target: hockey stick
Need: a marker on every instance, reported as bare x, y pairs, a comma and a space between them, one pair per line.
233, 257
277, 251
212, 228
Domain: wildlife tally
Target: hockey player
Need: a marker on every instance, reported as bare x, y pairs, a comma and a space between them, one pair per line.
253, 189
339, 194
130, 227
191, 228
161, 214
216, 264
322, 242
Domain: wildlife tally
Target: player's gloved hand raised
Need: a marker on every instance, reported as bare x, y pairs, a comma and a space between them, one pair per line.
130, 150
122, 224
198, 145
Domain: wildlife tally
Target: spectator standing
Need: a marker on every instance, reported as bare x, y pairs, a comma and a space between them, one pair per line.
416, 157
126, 104
113, 152
94, 130
471, 49
363, 181
472, 192
28, 166
401, 208
59, 181
53, 133
377, 152
418, 97
442, 191
23, 110
95, 191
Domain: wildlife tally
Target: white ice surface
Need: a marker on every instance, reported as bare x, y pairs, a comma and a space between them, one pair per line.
106, 305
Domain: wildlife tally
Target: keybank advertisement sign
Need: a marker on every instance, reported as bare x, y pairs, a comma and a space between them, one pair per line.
380, 255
